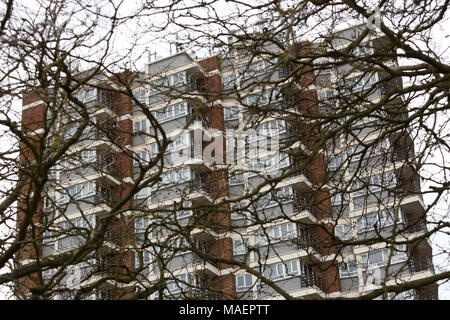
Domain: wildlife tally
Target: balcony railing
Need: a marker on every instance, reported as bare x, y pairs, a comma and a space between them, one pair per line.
193, 119
194, 87
401, 155
199, 259
302, 205
107, 167
418, 226
112, 233
102, 197
199, 184
311, 279
284, 71
291, 135
389, 86
104, 134
306, 240
205, 294
413, 187
421, 264
103, 100
294, 167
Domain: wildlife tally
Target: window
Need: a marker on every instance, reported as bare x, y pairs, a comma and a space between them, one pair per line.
140, 157
325, 96
173, 247
268, 129
87, 222
354, 153
183, 214
77, 192
237, 210
382, 219
235, 178
343, 231
280, 232
48, 274
322, 68
140, 95
404, 295
281, 195
380, 258
374, 184
174, 177
88, 156
284, 270
231, 113
229, 81
348, 269
182, 284
171, 112
169, 81
362, 51
382, 147
142, 193
86, 95
362, 122
334, 162
255, 69
90, 95
339, 199
263, 98
359, 83
47, 202
243, 282
180, 142
284, 194
141, 224
140, 126
273, 163
240, 246
70, 131
359, 189
145, 259
48, 236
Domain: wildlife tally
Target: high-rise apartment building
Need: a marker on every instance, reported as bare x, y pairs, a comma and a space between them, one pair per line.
234, 180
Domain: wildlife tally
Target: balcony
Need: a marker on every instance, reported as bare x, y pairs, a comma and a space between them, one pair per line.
306, 240
105, 134
199, 184
206, 267
304, 212
421, 264
197, 120
194, 86
290, 140
195, 190
102, 197
284, 71
112, 236
403, 155
311, 279
300, 179
205, 294
202, 226
390, 86
305, 285
412, 202
107, 167
415, 227
103, 104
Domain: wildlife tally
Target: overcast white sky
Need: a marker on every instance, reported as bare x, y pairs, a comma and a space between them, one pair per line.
440, 33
